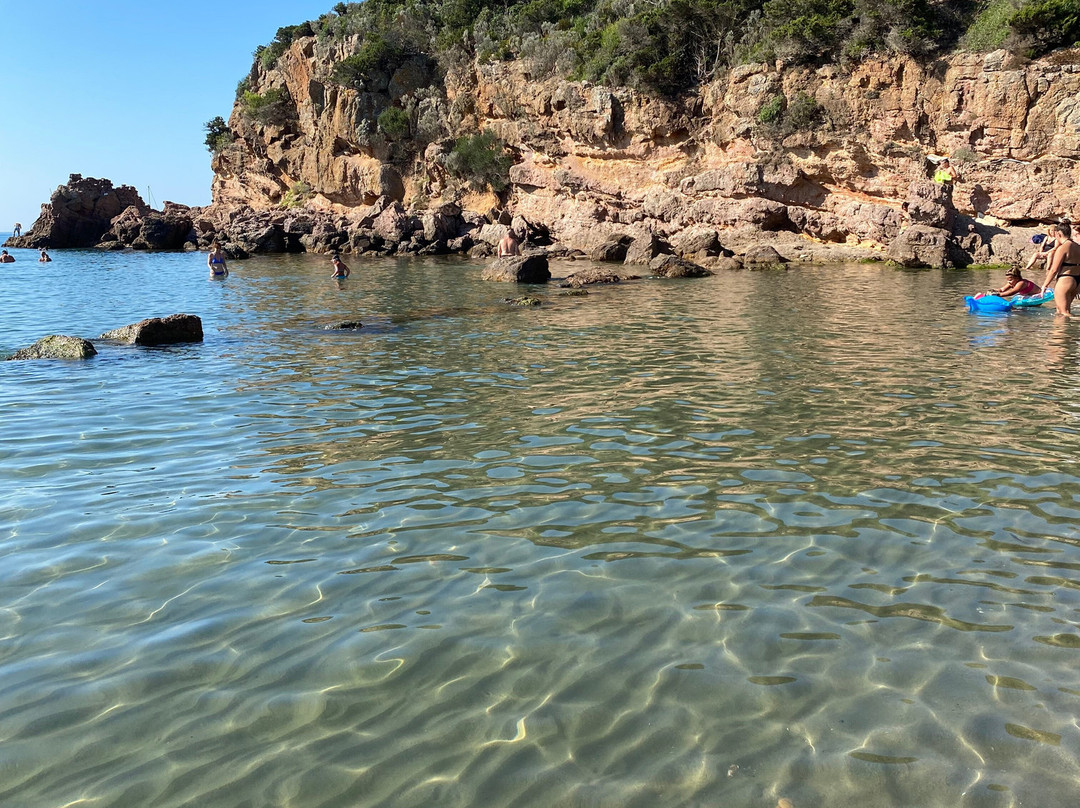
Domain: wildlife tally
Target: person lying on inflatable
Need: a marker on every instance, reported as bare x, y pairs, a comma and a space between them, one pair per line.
1015, 284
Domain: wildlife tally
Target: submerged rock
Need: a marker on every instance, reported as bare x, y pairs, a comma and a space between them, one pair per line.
57, 346
522, 301
589, 276
670, 266
345, 325
159, 330
518, 269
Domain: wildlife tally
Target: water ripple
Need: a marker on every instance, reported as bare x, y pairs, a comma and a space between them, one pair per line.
718, 542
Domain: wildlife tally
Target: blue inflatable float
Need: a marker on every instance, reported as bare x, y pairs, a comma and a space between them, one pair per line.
1033, 300
988, 304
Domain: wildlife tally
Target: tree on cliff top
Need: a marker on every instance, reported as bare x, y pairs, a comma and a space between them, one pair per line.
664, 46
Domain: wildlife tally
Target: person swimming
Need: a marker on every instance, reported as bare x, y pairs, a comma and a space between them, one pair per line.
216, 261
44, 257
5, 258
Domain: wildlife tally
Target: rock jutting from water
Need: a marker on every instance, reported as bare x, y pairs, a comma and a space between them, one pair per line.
176, 328
518, 269
57, 346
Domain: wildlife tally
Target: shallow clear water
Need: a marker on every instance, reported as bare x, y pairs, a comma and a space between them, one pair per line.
807, 535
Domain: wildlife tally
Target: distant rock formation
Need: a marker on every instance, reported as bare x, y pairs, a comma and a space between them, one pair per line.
619, 176
79, 213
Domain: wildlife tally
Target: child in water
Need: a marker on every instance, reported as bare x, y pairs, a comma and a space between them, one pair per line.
1016, 284
340, 269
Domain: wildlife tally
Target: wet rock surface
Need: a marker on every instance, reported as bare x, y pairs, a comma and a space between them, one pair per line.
518, 269
176, 328
57, 346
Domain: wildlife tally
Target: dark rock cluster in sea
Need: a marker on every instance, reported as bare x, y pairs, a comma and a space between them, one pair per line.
152, 331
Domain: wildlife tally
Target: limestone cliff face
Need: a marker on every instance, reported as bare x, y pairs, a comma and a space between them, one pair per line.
832, 169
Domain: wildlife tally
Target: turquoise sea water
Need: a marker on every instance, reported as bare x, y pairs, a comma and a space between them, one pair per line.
809, 535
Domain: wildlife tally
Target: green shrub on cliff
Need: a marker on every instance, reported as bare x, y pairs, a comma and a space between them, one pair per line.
666, 47
272, 107
297, 195
481, 160
218, 135
771, 110
269, 54
990, 29
376, 54
1041, 26
781, 117
394, 123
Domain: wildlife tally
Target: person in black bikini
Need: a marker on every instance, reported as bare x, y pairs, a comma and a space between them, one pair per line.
1065, 268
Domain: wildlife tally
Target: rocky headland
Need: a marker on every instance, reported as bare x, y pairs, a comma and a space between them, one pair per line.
793, 163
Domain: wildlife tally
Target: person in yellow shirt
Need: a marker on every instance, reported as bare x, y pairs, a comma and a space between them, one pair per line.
945, 174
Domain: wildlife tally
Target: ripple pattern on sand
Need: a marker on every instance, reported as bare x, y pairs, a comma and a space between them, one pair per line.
715, 542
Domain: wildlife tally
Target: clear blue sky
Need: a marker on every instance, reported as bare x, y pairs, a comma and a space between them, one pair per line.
121, 89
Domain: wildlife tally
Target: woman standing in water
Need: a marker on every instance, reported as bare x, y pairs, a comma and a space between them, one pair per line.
1065, 268
216, 262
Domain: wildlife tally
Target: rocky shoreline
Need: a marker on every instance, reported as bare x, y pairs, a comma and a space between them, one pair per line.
90, 212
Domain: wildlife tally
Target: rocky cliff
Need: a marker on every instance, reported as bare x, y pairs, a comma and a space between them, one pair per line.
816, 162
766, 163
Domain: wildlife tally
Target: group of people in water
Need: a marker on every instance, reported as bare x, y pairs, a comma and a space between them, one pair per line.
8, 258
1061, 255
215, 261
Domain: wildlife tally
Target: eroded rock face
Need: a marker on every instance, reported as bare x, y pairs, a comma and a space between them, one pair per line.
921, 246
596, 170
57, 346
159, 331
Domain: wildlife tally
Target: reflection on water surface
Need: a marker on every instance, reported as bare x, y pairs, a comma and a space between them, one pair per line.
807, 535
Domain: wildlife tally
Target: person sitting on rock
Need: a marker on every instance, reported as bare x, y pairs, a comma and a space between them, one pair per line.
1044, 247
5, 258
510, 245
44, 257
340, 268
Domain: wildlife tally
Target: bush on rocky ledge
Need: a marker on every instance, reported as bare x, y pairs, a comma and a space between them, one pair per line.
667, 48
